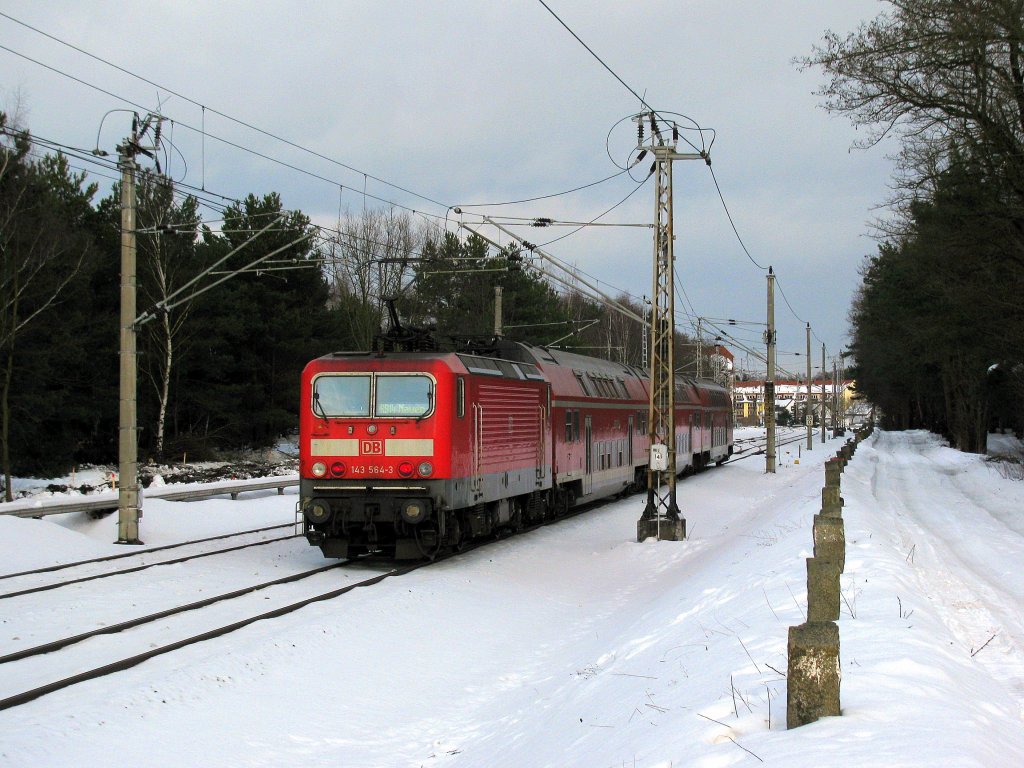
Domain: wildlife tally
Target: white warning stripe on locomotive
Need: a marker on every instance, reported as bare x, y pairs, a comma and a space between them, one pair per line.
350, 447
409, 447
333, 447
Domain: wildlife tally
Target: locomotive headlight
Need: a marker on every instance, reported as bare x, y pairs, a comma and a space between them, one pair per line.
415, 511
319, 469
338, 468
426, 469
317, 511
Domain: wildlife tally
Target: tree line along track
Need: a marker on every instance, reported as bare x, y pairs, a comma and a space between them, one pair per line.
145, 566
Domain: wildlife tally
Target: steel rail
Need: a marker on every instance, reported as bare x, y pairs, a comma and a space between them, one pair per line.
135, 569
63, 566
132, 661
55, 645
760, 452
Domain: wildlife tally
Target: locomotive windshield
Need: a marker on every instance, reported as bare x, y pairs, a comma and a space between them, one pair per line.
341, 395
403, 396
408, 396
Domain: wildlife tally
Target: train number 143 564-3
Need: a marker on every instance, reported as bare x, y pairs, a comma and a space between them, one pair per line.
374, 469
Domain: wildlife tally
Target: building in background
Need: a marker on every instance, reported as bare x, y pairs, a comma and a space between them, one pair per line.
791, 400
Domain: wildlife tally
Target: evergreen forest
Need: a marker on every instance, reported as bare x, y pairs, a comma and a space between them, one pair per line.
938, 321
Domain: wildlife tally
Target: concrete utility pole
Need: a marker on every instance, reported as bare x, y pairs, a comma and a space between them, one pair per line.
823, 392
497, 311
129, 502
700, 350
769, 382
835, 394
661, 517
809, 417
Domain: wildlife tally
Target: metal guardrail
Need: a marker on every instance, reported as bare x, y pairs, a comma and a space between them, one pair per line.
107, 501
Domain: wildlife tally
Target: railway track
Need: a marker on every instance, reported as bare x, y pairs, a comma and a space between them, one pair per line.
43, 668
63, 566
755, 446
25, 669
145, 558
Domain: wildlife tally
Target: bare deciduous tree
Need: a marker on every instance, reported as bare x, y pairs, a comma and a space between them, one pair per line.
167, 236
367, 262
943, 76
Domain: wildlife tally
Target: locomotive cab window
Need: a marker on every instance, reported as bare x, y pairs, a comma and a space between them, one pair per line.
360, 395
341, 396
411, 396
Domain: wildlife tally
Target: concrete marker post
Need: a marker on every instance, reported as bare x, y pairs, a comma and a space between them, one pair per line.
831, 501
822, 590
830, 540
813, 673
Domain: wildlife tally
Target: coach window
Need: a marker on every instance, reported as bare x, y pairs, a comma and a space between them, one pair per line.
341, 396
460, 397
583, 383
409, 396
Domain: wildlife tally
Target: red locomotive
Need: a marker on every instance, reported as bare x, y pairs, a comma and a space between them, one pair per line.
408, 453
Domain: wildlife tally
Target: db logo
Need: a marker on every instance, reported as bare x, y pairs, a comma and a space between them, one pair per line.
372, 447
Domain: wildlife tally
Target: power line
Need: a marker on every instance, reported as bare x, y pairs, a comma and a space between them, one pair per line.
204, 133
599, 59
270, 134
219, 113
600, 215
542, 197
733, 223
629, 88
176, 187
210, 204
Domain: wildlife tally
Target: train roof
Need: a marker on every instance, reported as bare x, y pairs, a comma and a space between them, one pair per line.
522, 360
576, 361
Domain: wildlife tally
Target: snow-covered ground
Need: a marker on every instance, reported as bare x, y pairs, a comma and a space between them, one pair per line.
573, 645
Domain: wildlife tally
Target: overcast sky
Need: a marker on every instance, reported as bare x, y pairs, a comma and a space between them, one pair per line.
478, 102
